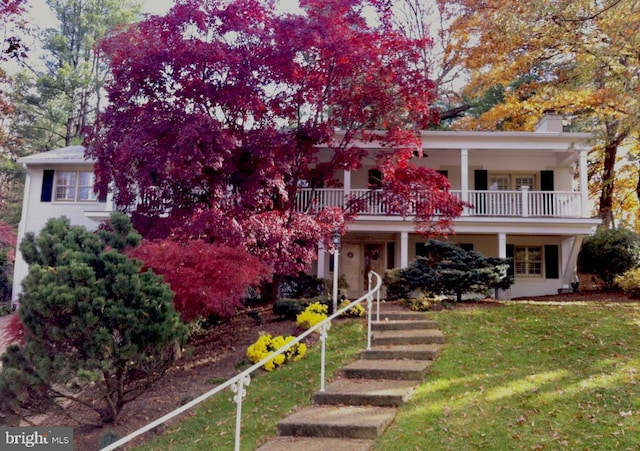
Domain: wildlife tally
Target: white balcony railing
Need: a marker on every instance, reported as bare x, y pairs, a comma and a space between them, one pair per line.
522, 203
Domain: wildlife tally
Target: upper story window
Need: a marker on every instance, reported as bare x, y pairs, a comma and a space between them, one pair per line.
74, 186
375, 179
68, 186
506, 182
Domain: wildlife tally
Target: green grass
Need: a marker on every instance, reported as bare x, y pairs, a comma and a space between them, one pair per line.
270, 397
521, 377
529, 377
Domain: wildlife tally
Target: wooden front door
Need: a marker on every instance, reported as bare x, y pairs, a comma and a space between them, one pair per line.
373, 261
351, 266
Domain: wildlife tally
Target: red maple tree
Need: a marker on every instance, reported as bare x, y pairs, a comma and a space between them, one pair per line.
221, 110
207, 279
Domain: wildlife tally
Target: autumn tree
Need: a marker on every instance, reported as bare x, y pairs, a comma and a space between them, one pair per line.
7, 257
430, 22
92, 320
208, 280
227, 109
578, 58
11, 49
55, 101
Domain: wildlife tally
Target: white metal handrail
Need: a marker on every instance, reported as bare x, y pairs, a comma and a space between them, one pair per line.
239, 383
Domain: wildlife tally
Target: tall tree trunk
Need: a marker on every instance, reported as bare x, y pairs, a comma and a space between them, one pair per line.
614, 137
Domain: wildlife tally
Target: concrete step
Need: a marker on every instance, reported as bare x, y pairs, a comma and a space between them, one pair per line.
338, 422
404, 324
365, 392
399, 314
392, 352
412, 370
316, 444
413, 337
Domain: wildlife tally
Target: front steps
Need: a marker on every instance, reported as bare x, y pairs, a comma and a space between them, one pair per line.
358, 406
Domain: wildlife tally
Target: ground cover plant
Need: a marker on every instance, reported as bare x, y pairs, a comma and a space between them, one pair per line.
529, 376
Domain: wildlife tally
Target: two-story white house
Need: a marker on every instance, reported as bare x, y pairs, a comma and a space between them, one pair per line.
528, 192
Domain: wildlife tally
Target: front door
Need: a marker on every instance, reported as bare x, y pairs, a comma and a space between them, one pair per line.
373, 261
351, 267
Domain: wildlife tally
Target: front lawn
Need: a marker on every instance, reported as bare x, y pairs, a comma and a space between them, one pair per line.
529, 377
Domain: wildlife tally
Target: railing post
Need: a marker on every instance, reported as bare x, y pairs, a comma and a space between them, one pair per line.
238, 388
524, 189
324, 331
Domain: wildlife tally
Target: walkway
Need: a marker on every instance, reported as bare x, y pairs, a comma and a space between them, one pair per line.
361, 403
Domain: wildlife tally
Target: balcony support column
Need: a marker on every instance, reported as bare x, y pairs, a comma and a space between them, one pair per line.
502, 245
404, 249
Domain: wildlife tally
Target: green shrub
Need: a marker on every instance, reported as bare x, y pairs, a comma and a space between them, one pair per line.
449, 269
609, 253
291, 308
301, 286
396, 284
629, 282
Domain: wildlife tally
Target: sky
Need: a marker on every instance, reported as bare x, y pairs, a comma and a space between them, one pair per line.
40, 14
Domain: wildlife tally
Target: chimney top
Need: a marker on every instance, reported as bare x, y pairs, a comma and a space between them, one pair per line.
551, 122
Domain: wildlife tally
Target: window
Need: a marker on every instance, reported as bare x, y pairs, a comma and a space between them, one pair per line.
499, 183
528, 260
375, 179
503, 182
74, 186
525, 180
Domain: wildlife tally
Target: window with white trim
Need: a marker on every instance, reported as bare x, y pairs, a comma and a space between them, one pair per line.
506, 182
74, 186
527, 260
525, 180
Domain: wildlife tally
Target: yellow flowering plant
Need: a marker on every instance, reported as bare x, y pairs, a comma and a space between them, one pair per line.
267, 345
312, 315
357, 311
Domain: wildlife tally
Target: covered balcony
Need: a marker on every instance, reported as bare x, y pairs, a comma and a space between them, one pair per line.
520, 203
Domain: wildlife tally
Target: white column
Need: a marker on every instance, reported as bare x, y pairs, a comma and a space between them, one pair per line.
584, 190
347, 183
502, 245
464, 176
404, 249
321, 259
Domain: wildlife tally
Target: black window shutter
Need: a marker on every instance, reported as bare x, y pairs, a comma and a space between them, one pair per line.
546, 180
444, 172
512, 265
391, 254
551, 266
47, 185
102, 196
546, 184
421, 250
481, 179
